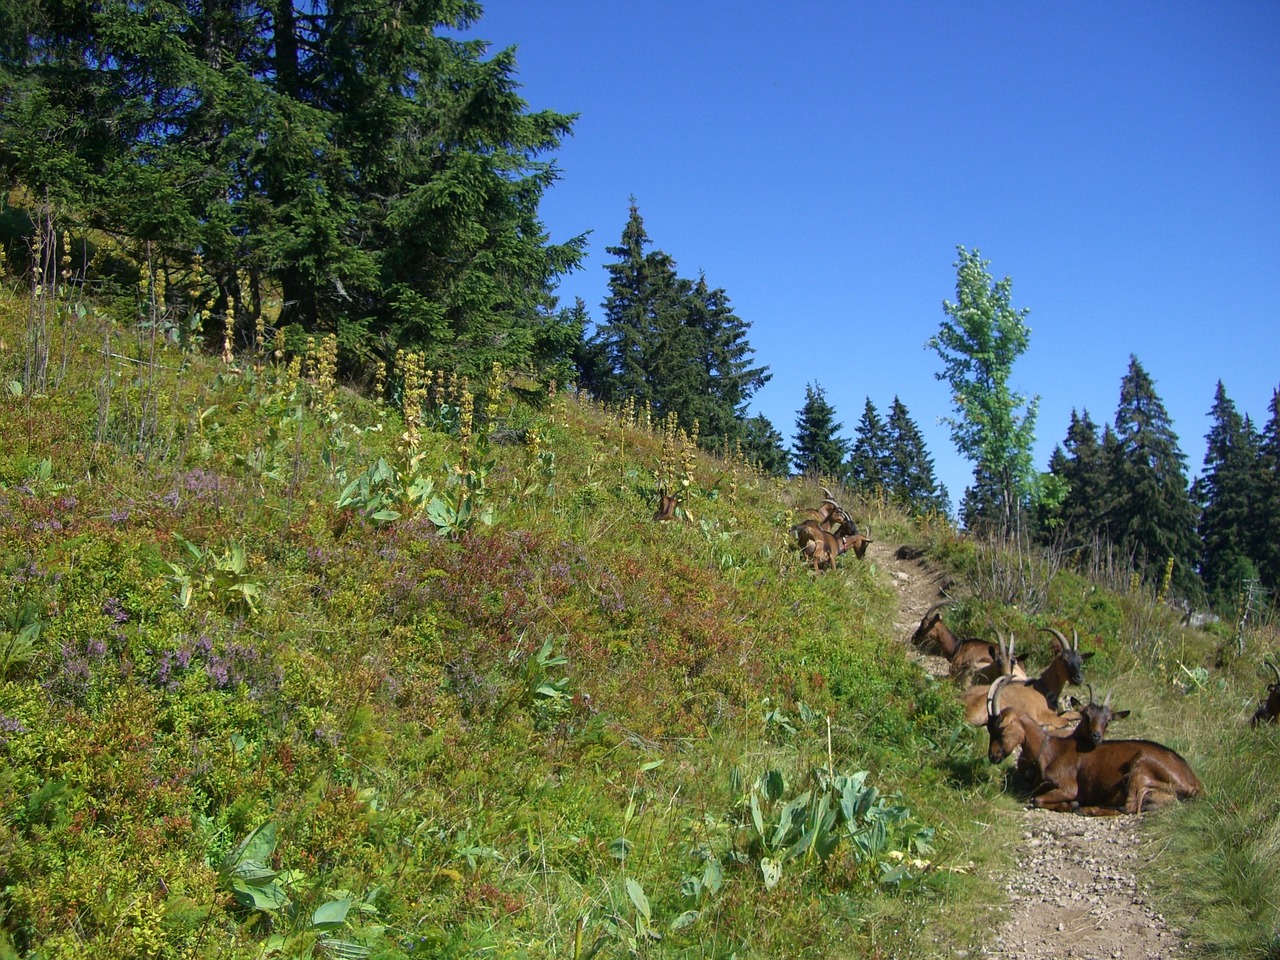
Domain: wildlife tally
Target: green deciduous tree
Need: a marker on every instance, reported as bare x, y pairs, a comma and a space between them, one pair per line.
818, 448
994, 426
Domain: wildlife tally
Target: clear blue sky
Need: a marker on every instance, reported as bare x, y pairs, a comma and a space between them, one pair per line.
821, 161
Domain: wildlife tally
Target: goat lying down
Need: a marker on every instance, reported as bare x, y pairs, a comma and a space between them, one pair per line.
1085, 775
1269, 709
1037, 698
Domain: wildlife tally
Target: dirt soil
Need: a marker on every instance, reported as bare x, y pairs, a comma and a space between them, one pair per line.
1074, 891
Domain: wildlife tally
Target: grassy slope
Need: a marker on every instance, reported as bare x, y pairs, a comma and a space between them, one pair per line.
521, 742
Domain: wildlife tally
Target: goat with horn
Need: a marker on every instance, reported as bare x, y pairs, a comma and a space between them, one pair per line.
1102, 778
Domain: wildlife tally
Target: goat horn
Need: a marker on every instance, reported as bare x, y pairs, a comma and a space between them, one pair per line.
827, 493
1090, 688
993, 695
935, 608
1107, 701
1075, 640
1274, 669
1057, 633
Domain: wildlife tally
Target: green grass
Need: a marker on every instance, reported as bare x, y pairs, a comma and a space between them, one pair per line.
532, 737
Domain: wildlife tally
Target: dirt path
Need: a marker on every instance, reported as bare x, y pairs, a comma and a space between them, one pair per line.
1074, 890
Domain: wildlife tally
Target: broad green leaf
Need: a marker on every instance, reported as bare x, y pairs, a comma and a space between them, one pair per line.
331, 915
636, 893
682, 921
269, 897
620, 848
257, 846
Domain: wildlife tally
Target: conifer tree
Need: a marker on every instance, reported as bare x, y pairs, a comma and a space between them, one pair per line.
1227, 497
1265, 542
818, 449
762, 445
671, 342
1152, 518
867, 469
1080, 463
374, 173
909, 467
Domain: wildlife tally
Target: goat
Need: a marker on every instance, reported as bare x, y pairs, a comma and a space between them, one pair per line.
973, 660
666, 507
1100, 778
980, 662
830, 516
1037, 698
1269, 709
820, 546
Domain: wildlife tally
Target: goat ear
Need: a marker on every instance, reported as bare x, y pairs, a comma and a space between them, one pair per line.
1119, 714
1073, 703
1087, 655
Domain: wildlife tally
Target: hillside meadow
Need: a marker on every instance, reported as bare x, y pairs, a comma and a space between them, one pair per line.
291, 669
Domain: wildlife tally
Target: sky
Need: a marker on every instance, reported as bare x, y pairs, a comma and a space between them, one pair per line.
821, 162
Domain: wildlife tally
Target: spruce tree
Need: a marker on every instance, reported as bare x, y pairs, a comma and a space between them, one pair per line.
818, 449
867, 468
762, 445
374, 174
672, 343
1152, 518
1265, 541
1080, 464
1227, 497
909, 467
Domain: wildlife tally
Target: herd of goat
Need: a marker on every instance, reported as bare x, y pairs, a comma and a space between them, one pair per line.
1060, 743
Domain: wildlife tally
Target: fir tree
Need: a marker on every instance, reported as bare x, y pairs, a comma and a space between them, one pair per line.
1227, 497
1265, 541
1080, 464
762, 445
867, 469
818, 449
909, 467
671, 342
1151, 517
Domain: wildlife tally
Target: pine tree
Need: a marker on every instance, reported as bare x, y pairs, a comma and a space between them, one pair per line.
818, 449
909, 467
1151, 517
867, 468
379, 174
1080, 463
671, 342
762, 445
978, 343
1265, 542
1227, 498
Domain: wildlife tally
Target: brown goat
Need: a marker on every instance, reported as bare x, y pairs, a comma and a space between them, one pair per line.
1269, 709
666, 507
830, 516
820, 546
980, 662
1037, 698
974, 661
1104, 779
